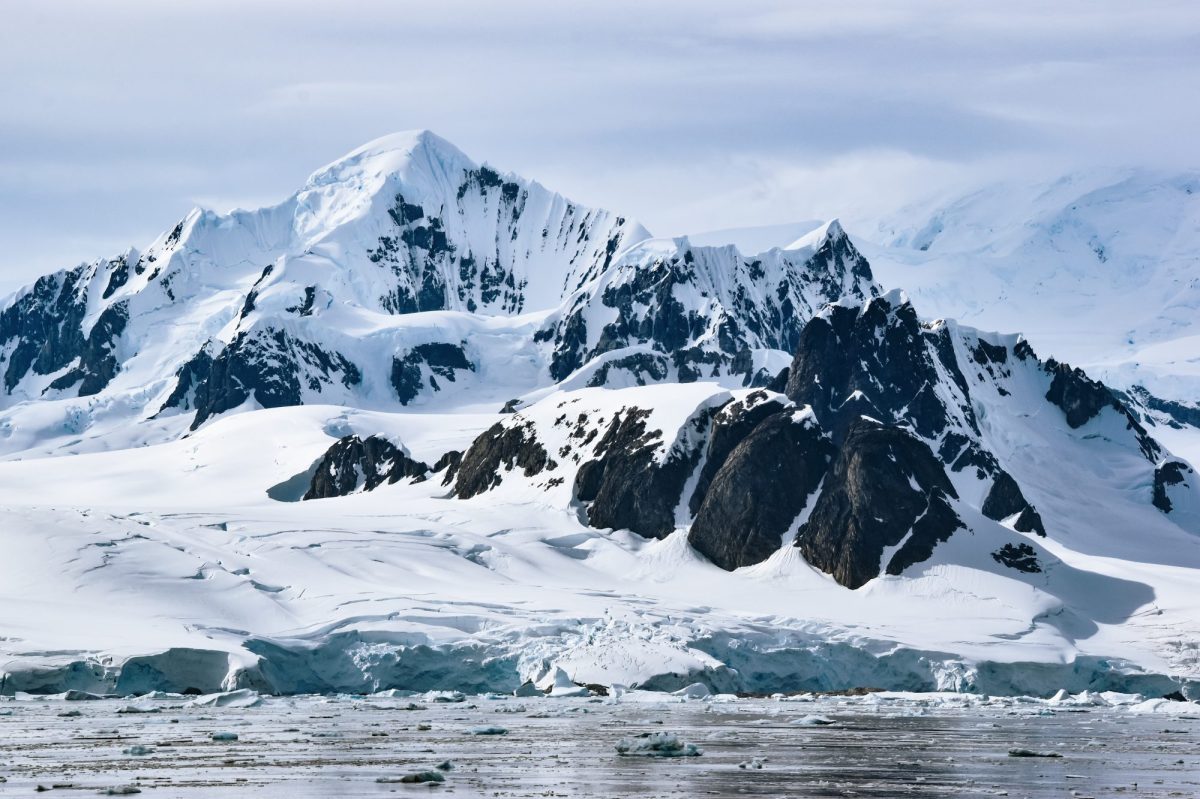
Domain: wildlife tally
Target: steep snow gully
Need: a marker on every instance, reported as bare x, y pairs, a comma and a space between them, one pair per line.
425, 425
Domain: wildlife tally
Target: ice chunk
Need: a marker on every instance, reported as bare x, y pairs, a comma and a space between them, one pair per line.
564, 686
696, 690
1031, 753
415, 777
224, 736
243, 697
813, 721
489, 730
527, 689
657, 744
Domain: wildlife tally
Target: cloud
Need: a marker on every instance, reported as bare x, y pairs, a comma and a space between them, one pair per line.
116, 116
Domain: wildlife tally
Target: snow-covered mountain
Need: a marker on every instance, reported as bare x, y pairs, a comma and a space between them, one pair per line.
400, 272
426, 424
1098, 268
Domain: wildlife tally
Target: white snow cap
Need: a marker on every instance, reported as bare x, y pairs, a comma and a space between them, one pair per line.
813, 240
410, 155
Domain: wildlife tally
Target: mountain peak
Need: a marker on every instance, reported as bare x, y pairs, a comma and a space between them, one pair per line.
830, 231
418, 157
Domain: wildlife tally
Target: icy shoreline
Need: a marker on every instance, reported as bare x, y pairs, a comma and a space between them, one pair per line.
355, 663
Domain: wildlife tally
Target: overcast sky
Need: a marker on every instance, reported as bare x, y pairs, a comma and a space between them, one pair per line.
117, 117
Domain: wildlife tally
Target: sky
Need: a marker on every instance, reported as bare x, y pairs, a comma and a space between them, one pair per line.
116, 118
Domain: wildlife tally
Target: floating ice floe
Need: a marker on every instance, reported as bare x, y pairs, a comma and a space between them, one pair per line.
814, 721
489, 730
657, 744
415, 777
243, 697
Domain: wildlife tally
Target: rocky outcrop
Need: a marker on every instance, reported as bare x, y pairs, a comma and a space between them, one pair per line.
266, 365
424, 364
355, 464
730, 426
761, 486
1167, 474
626, 485
1079, 397
884, 506
1004, 499
880, 360
1021, 557
500, 449
43, 332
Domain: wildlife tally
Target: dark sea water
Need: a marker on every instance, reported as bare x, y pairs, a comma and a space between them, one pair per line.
343, 746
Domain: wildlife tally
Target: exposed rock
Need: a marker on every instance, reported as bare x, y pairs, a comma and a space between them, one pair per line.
1021, 557
730, 426
42, 332
499, 449
1178, 414
642, 368
702, 310
626, 485
263, 364
886, 489
1079, 397
450, 462
1168, 473
880, 361
353, 464
1004, 499
760, 489
424, 364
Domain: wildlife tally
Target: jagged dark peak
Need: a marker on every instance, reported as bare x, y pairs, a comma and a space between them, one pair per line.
884, 506
667, 310
878, 359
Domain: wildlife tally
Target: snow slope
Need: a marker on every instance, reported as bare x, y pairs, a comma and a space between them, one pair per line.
163, 412
1100, 269
176, 548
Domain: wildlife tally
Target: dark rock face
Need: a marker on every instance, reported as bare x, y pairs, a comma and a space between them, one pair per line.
448, 462
740, 314
1021, 557
760, 488
353, 464
44, 328
265, 364
1167, 474
1030, 521
1005, 499
97, 364
884, 485
434, 272
424, 364
878, 361
730, 426
1079, 397
642, 367
500, 448
625, 486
